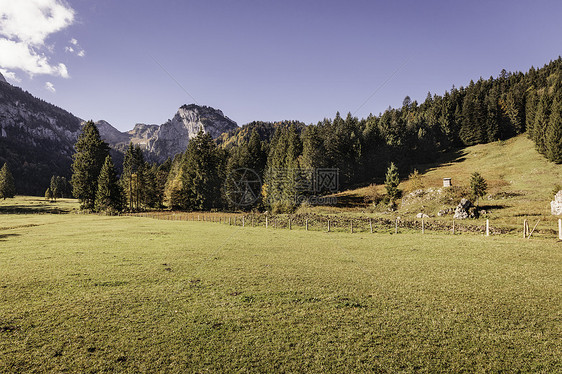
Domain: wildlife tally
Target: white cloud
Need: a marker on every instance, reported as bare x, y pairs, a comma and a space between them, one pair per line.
20, 56
50, 87
24, 27
75, 48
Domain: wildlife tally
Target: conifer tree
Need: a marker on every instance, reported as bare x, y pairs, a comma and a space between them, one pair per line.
7, 185
200, 177
541, 122
91, 152
391, 182
48, 194
553, 135
282, 174
478, 186
108, 196
54, 187
133, 179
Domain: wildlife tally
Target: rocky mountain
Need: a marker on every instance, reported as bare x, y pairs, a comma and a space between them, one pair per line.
173, 136
37, 138
170, 138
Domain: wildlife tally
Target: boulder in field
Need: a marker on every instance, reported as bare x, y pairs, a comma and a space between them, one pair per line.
462, 210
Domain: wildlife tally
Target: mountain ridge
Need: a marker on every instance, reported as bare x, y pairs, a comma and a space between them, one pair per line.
170, 138
37, 138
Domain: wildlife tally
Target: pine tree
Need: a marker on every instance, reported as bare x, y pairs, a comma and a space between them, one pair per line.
200, 177
108, 196
7, 185
391, 182
91, 152
541, 122
48, 194
282, 174
257, 157
133, 179
478, 186
54, 187
244, 173
553, 135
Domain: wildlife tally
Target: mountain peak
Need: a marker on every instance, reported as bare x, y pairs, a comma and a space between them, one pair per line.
2, 79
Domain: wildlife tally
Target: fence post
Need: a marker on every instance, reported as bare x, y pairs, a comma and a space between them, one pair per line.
266, 222
328, 225
289, 224
243, 221
306, 224
525, 229
453, 227
371, 225
487, 227
229, 221
396, 226
352, 226
423, 226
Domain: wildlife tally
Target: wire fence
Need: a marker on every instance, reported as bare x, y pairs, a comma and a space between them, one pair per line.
326, 223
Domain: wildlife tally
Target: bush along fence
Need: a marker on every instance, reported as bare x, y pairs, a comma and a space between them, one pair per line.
327, 223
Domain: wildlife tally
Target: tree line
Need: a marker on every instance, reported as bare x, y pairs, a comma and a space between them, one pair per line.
281, 154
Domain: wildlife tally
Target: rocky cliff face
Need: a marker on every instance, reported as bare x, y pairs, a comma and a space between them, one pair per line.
172, 137
36, 139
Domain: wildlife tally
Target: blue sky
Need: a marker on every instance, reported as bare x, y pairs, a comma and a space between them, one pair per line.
124, 61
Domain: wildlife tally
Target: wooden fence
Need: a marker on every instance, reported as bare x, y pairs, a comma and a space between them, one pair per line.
317, 222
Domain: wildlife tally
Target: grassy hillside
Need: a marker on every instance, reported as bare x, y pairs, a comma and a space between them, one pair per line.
85, 293
520, 182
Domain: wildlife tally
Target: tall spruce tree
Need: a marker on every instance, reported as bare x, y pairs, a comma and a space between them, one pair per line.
391, 182
7, 185
89, 158
133, 179
282, 173
542, 116
478, 186
553, 135
55, 187
200, 176
108, 196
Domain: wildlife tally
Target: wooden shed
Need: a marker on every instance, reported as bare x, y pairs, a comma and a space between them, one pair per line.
447, 182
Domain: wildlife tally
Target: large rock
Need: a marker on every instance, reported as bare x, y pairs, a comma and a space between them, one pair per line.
462, 210
556, 205
2, 79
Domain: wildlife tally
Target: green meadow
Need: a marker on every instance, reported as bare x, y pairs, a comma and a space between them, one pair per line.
88, 293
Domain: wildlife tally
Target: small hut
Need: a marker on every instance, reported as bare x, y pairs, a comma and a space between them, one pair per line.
447, 182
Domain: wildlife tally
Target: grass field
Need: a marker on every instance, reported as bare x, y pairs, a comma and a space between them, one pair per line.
86, 293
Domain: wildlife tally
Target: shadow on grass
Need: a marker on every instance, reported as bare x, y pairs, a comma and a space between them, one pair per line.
30, 209
491, 207
4, 236
351, 200
445, 159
